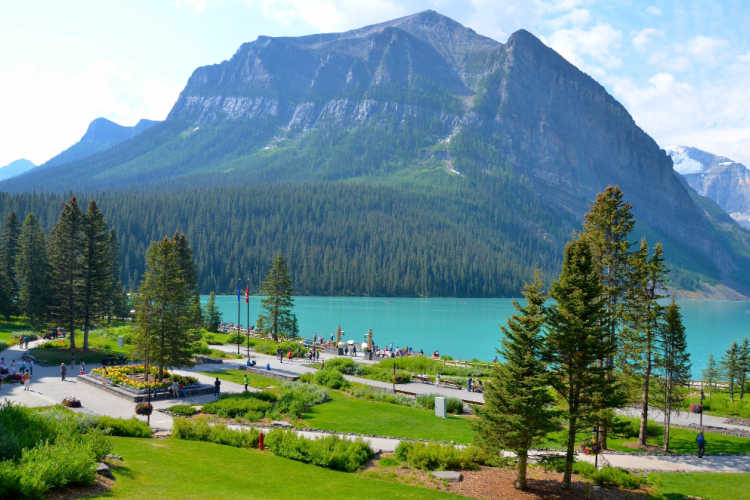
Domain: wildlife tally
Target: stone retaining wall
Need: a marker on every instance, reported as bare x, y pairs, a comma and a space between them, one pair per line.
196, 390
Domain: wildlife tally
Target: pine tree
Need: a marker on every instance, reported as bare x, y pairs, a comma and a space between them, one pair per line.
642, 314
65, 258
187, 263
8, 253
743, 365
117, 303
730, 364
673, 362
212, 314
577, 341
711, 374
607, 227
518, 408
278, 302
164, 307
32, 272
96, 268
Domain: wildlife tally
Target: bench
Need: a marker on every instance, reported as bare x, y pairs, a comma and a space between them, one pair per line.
425, 379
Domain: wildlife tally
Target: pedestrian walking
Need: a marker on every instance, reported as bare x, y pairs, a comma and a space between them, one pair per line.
83, 367
280, 354
26, 381
63, 371
246, 382
701, 441
31, 366
217, 387
468, 384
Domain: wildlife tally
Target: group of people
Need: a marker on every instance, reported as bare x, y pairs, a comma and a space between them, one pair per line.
474, 385
15, 371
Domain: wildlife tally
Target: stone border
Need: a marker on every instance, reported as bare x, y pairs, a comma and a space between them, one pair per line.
196, 390
273, 373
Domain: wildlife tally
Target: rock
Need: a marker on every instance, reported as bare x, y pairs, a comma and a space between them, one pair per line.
279, 423
112, 456
451, 476
103, 470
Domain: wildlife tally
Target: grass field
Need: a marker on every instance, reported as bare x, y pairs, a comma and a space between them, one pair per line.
720, 405
12, 327
681, 441
238, 377
185, 470
702, 485
101, 343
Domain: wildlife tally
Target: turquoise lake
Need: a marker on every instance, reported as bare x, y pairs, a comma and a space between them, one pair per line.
469, 328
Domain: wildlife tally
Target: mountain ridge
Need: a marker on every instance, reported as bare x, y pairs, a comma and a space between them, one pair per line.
16, 167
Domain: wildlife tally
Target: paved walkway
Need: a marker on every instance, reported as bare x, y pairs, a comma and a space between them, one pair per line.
48, 389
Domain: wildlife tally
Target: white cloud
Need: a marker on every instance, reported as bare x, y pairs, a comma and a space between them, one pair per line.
704, 47
576, 17
744, 58
589, 49
643, 38
653, 10
333, 15
197, 5
63, 105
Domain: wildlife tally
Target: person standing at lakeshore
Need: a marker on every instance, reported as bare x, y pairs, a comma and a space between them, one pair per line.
63, 371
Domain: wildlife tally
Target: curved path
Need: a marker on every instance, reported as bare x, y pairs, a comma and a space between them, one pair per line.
48, 389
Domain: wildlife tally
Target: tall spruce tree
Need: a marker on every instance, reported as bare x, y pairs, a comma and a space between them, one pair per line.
743, 365
212, 315
277, 305
518, 408
673, 362
642, 314
711, 374
117, 300
32, 272
65, 253
577, 341
730, 366
8, 253
164, 307
607, 227
96, 269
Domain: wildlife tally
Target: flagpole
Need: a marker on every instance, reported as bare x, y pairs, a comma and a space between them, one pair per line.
238, 315
247, 301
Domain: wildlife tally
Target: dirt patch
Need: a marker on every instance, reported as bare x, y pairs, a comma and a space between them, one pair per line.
649, 447
101, 486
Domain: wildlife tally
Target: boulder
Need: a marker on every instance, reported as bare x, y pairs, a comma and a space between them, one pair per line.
103, 470
451, 476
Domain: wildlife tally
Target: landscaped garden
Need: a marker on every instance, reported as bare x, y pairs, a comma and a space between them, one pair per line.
134, 378
103, 344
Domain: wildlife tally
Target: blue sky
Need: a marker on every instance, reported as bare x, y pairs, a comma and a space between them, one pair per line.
682, 68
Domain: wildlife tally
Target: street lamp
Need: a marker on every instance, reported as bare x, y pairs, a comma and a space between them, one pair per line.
393, 378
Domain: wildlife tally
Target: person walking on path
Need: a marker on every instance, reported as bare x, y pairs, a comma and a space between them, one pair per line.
280, 354
701, 441
468, 384
63, 371
31, 366
217, 387
246, 382
27, 381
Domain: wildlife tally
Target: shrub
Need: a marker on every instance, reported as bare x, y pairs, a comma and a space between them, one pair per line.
199, 429
330, 378
401, 376
10, 486
344, 365
434, 456
130, 427
383, 396
452, 405
331, 452
296, 398
606, 476
48, 466
242, 407
98, 443
201, 347
183, 410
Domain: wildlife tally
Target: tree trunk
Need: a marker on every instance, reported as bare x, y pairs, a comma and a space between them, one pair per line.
667, 415
521, 480
644, 403
569, 451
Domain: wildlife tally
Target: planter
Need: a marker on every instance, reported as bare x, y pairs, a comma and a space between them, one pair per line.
144, 409
71, 402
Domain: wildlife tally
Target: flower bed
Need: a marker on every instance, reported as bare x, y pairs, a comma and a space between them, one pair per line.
131, 377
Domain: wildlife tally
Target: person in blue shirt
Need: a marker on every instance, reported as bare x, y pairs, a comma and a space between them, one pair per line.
701, 441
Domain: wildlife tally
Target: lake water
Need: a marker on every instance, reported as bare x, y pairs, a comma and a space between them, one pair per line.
469, 328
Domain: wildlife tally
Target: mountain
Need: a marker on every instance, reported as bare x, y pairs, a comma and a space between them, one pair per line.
101, 134
725, 181
511, 133
15, 168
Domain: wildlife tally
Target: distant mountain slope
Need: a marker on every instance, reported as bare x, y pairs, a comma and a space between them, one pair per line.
101, 134
725, 181
15, 168
423, 102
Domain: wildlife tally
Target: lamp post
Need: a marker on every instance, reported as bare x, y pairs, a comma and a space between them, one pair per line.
393, 378
703, 396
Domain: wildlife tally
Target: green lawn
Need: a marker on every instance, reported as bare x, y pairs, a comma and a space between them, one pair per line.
13, 326
681, 441
184, 470
719, 404
348, 414
703, 485
101, 343
238, 377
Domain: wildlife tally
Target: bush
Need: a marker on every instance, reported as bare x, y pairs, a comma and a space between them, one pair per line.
435, 456
344, 365
383, 396
330, 378
235, 338
243, 407
296, 398
48, 466
452, 405
199, 429
183, 410
606, 476
402, 377
331, 452
98, 443
125, 427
